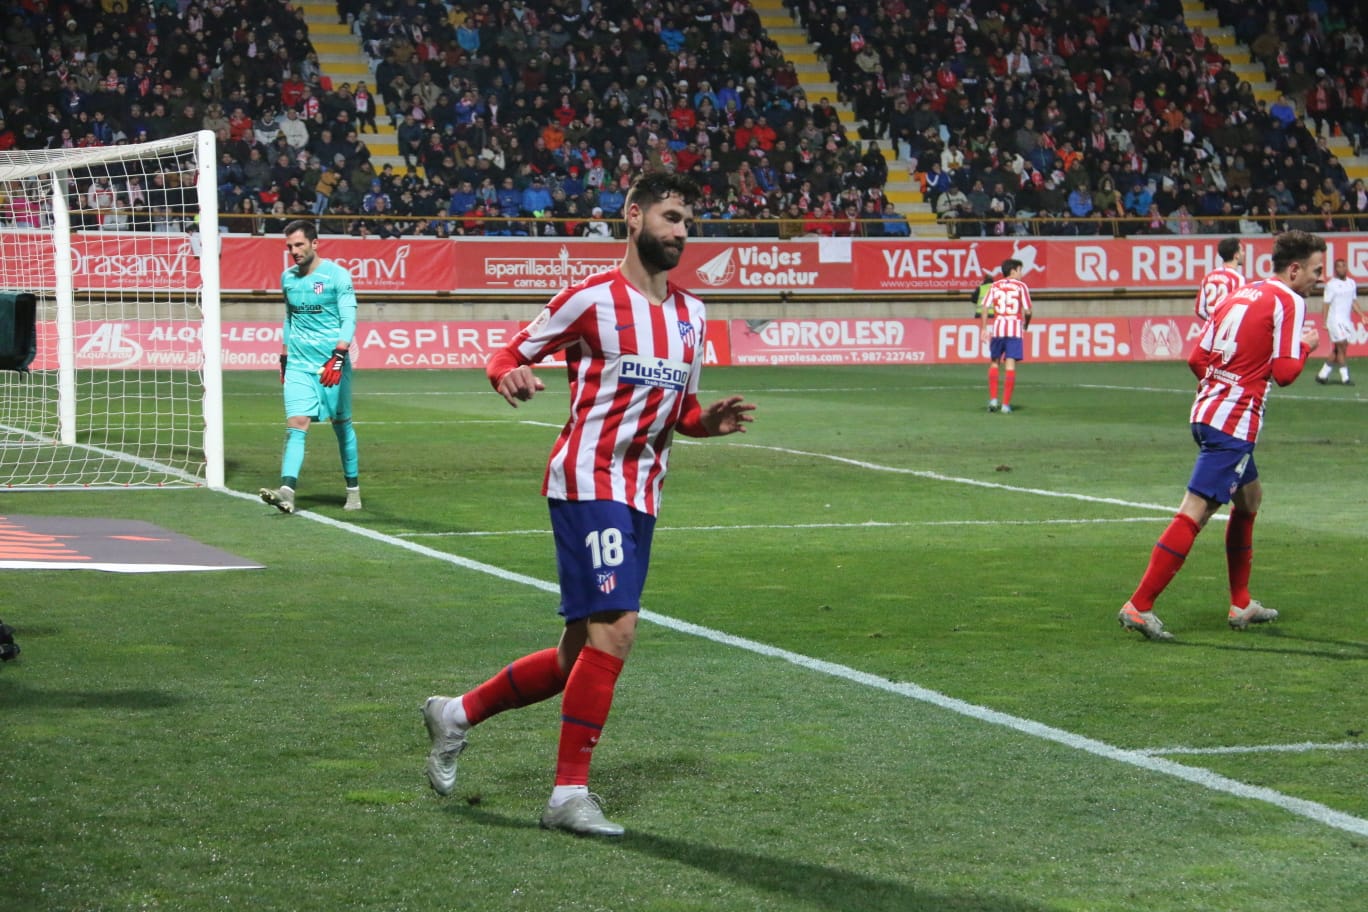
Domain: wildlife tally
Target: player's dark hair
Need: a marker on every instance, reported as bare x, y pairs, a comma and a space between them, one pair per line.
1227, 249
1008, 265
1295, 246
653, 186
310, 230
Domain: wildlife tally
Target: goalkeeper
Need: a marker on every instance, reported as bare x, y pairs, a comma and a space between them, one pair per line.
315, 370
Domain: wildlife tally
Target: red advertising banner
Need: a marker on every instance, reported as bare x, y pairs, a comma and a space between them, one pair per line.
835, 341
492, 264
175, 345
405, 265
1076, 339
112, 260
542, 266
1162, 263
806, 265
451, 344
1059, 339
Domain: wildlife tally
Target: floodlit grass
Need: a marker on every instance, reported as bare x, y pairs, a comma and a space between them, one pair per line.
251, 739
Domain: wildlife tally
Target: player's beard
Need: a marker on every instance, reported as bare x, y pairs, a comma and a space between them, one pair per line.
657, 254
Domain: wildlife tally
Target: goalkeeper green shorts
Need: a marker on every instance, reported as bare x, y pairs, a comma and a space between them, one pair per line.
306, 395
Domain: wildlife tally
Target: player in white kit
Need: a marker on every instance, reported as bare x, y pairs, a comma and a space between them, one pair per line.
1341, 306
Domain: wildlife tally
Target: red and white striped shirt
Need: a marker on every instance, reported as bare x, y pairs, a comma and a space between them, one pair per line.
1215, 286
1009, 301
1251, 328
633, 369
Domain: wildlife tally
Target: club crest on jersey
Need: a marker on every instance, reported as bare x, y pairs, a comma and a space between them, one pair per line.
659, 372
607, 581
318, 287
687, 334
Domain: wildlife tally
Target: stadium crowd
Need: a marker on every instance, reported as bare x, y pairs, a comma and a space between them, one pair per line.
533, 116
1107, 116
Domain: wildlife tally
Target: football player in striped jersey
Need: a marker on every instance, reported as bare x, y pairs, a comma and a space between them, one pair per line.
1222, 280
633, 343
1256, 334
1008, 307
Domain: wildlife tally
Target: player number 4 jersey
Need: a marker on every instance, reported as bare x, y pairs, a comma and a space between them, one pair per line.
1251, 328
632, 367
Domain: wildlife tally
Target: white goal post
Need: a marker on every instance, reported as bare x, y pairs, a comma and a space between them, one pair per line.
110, 359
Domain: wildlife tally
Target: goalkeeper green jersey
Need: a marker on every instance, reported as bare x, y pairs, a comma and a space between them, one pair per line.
320, 311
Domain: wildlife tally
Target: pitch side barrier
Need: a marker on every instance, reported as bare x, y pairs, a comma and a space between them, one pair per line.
518, 267
803, 266
532, 269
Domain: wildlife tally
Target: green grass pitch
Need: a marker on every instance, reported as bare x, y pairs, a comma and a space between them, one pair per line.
881, 668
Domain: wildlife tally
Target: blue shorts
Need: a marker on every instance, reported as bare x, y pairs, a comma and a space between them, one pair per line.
1224, 464
1000, 347
603, 549
305, 394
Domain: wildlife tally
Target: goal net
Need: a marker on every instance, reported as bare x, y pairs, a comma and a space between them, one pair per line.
109, 316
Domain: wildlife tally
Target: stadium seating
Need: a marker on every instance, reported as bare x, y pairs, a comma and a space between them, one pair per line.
429, 111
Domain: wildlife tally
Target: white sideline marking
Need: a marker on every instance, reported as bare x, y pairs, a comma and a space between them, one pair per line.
1279, 395
1205, 778
934, 476
1305, 747
937, 476
871, 524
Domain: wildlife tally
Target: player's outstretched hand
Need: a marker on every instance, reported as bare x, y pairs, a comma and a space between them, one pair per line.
519, 385
728, 416
330, 374
282, 369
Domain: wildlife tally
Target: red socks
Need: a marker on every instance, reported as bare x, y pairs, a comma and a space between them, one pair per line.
1239, 555
584, 709
1007, 387
1166, 560
528, 680
992, 380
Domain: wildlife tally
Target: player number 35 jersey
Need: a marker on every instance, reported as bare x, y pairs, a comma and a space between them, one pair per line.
1009, 301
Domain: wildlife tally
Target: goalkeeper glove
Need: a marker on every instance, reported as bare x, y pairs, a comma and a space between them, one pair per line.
331, 371
282, 368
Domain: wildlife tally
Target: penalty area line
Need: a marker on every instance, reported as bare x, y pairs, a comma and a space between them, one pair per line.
1195, 775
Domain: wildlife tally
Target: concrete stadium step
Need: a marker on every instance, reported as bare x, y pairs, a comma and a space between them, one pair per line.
904, 198
344, 69
341, 59
334, 44
1239, 56
786, 35
328, 29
